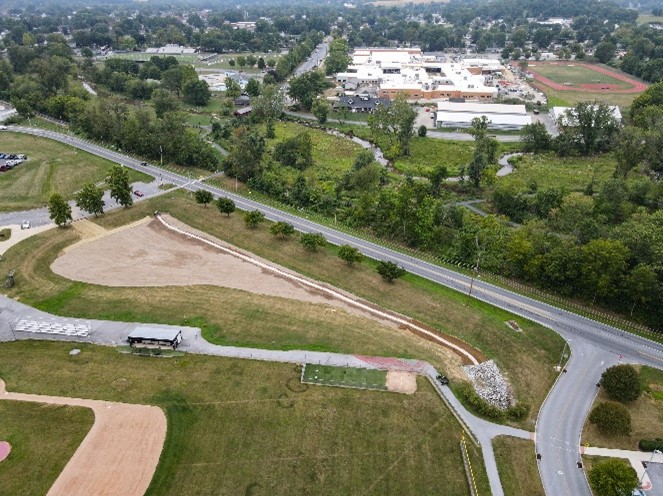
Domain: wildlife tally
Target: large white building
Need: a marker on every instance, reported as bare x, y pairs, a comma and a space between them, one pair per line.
406, 70
501, 117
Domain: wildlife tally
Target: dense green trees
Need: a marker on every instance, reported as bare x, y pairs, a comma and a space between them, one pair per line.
394, 124
305, 88
196, 92
338, 59
295, 152
244, 160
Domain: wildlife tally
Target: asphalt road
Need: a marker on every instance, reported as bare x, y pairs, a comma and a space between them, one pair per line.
595, 346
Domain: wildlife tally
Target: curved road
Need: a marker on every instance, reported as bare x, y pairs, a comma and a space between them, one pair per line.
595, 346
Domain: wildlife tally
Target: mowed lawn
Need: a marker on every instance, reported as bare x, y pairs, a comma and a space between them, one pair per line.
43, 439
575, 75
516, 464
527, 358
646, 415
570, 173
345, 376
248, 427
52, 167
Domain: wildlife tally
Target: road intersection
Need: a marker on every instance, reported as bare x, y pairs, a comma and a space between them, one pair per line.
594, 345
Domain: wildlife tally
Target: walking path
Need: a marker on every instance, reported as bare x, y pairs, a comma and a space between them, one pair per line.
635, 458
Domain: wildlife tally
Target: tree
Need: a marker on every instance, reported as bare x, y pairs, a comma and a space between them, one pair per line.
485, 150
253, 88
164, 101
261, 64
253, 218
204, 197
629, 150
605, 52
244, 159
613, 477
120, 187
233, 89
251, 60
321, 109
421, 132
59, 210
437, 176
295, 152
622, 383
307, 87
231, 62
535, 138
196, 92
590, 127
270, 104
350, 255
241, 61
395, 123
90, 199
611, 418
338, 59
282, 229
174, 78
390, 271
312, 241
225, 205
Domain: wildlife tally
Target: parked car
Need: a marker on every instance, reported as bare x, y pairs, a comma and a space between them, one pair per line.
3, 128
25, 224
442, 380
139, 193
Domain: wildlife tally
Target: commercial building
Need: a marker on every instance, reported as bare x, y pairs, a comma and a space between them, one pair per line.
500, 117
171, 50
407, 71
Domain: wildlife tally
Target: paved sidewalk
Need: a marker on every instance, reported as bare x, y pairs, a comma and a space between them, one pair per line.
634, 457
113, 333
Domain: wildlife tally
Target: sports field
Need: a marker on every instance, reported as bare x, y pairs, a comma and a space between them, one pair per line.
566, 83
248, 427
345, 377
51, 167
39, 451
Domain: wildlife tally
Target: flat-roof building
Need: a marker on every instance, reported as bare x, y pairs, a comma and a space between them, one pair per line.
500, 116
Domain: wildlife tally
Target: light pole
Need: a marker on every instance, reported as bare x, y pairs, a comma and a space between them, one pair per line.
161, 153
655, 452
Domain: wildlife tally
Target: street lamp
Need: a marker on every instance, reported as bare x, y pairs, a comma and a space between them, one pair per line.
655, 452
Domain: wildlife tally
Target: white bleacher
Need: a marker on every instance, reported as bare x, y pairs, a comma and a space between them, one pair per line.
45, 327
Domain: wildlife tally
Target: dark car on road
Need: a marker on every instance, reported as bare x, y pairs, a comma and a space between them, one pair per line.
139, 193
442, 380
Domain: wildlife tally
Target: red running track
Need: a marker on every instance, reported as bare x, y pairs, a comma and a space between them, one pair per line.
637, 86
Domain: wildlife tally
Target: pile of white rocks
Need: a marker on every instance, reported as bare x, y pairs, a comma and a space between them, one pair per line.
490, 385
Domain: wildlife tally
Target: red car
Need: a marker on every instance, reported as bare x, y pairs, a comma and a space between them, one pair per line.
139, 193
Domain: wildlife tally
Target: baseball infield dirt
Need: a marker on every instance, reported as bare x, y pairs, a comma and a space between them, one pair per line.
118, 456
402, 382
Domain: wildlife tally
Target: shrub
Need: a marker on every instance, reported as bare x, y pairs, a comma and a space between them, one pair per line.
613, 477
650, 444
519, 411
466, 392
312, 241
390, 271
422, 131
622, 383
611, 418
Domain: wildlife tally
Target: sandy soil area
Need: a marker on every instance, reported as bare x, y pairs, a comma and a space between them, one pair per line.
402, 382
151, 255
118, 456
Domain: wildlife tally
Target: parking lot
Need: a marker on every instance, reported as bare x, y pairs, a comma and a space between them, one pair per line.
10, 160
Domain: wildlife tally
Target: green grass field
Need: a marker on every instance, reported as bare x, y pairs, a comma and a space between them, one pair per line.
333, 156
516, 465
576, 75
248, 427
526, 358
43, 438
570, 173
326, 375
646, 415
51, 167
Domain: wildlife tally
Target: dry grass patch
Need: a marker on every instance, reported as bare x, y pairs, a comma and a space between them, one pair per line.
517, 467
646, 416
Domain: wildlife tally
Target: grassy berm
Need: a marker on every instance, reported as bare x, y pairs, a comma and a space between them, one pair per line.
248, 427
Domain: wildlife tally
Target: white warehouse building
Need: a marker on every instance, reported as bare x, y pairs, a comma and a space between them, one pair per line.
501, 117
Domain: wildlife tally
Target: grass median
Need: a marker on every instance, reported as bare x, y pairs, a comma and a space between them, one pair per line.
516, 464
